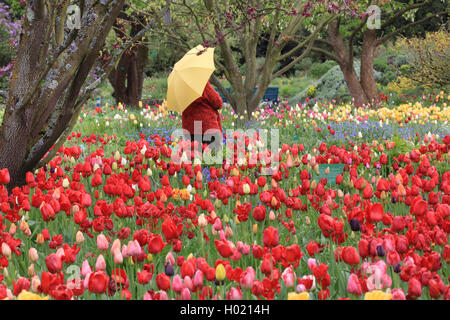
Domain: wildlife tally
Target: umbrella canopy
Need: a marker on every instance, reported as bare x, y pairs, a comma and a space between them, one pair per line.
188, 78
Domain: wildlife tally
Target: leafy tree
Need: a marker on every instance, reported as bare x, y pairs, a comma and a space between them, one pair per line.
48, 84
238, 23
430, 60
351, 29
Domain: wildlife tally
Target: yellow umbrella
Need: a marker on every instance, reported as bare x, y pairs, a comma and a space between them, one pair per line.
188, 78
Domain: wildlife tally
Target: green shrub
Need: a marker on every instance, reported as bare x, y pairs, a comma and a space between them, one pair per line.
401, 60
319, 69
331, 86
304, 64
380, 65
387, 77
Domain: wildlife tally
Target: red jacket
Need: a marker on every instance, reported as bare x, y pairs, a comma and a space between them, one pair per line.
204, 109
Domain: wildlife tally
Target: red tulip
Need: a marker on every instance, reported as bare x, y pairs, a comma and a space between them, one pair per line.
259, 213
144, 277
47, 212
4, 176
169, 229
54, 263
21, 284
49, 281
155, 243
61, 292
446, 253
163, 281
419, 207
270, 237
376, 212
98, 282
293, 254
414, 288
363, 248
326, 223
350, 256
393, 258
223, 248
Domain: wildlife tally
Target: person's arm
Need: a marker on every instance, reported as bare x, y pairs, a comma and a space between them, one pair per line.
212, 96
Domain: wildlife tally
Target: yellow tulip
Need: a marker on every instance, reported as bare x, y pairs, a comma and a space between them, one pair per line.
26, 295
298, 296
377, 295
220, 272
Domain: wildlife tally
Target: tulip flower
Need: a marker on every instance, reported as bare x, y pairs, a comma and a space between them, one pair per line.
220, 272
270, 237
177, 284
100, 263
354, 286
102, 242
298, 296
33, 255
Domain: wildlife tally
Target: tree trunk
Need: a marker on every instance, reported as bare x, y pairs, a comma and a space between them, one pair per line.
13, 149
366, 72
46, 91
128, 79
345, 62
353, 84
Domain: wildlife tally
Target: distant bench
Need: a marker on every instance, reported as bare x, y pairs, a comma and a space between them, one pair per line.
271, 95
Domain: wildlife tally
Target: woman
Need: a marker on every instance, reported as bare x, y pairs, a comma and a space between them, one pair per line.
204, 109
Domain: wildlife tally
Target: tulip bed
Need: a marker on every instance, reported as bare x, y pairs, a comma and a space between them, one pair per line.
111, 217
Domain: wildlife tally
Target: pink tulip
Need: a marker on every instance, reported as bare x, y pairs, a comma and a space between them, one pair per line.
33, 255
187, 283
86, 280
185, 294
163, 295
288, 277
236, 255
228, 232
386, 281
271, 215
247, 278
353, 286
147, 296
118, 258
6, 250
234, 294
115, 246
300, 288
101, 263
35, 283
198, 279
60, 253
398, 294
170, 258
177, 284
217, 225
102, 242
133, 248
125, 252
85, 268
312, 263
245, 249
79, 237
